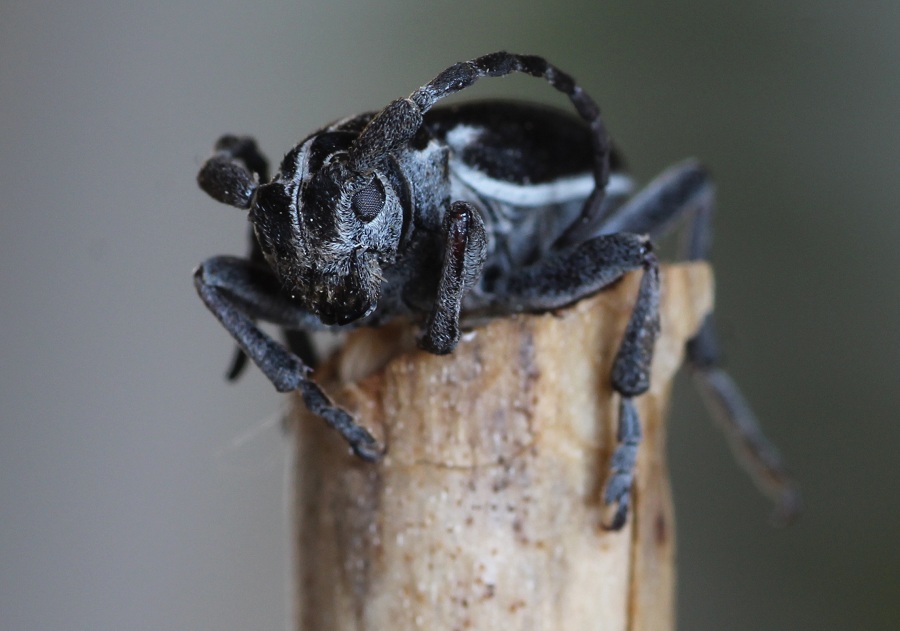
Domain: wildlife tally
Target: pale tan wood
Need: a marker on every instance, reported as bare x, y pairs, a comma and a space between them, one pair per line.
486, 512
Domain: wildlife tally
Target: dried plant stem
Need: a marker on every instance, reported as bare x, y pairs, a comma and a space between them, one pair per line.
486, 512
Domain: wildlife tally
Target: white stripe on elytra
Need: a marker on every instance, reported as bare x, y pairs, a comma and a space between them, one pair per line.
561, 190
558, 191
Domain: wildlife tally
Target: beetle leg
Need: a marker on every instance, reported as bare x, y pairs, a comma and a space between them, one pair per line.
237, 292
685, 192
568, 276
256, 291
730, 409
302, 348
631, 378
230, 176
298, 340
682, 191
624, 459
464, 253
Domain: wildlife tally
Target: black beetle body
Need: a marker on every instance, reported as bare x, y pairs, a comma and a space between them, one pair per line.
451, 216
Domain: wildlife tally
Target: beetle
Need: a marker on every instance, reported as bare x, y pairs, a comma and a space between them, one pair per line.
453, 215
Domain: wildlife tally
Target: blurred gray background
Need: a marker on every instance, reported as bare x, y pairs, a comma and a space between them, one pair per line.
139, 491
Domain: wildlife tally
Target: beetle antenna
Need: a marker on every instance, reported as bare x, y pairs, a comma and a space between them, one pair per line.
390, 130
396, 124
234, 172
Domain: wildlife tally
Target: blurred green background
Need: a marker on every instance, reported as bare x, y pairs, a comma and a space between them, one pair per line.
138, 491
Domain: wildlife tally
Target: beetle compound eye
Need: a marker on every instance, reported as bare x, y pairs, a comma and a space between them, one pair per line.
368, 201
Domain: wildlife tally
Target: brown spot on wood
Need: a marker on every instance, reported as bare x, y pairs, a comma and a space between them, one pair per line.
661, 530
516, 606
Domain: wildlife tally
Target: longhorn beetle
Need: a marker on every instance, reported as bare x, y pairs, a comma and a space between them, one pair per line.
459, 214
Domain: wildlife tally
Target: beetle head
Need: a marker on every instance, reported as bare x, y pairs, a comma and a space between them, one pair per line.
326, 227
333, 215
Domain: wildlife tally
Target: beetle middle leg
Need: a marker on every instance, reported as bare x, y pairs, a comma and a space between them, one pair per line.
238, 292
685, 193
569, 275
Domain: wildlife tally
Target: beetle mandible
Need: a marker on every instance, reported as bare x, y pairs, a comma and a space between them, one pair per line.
458, 214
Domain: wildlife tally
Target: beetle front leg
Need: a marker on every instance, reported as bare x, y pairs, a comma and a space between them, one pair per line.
299, 340
231, 176
465, 247
236, 292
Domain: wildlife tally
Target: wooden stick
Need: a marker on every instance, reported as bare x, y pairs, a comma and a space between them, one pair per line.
486, 512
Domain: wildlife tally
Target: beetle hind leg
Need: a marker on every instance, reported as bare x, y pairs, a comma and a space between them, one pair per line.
733, 414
